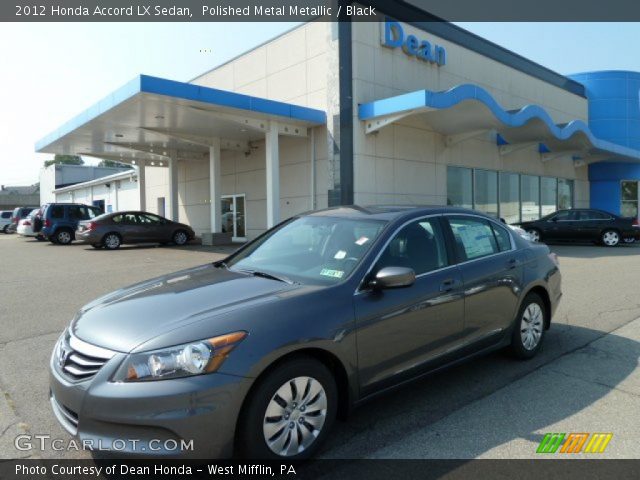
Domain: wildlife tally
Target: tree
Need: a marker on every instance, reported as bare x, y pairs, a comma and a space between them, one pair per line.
64, 160
113, 164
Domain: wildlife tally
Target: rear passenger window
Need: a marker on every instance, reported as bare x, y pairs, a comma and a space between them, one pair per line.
6, 214
502, 237
57, 211
474, 238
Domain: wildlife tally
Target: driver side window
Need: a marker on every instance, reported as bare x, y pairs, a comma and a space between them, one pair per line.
419, 246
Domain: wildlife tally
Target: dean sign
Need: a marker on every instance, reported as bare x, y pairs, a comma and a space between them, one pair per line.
393, 36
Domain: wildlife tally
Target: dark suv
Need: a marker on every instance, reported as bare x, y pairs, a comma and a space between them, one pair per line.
60, 220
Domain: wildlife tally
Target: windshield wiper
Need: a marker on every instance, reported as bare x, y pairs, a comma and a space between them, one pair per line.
258, 273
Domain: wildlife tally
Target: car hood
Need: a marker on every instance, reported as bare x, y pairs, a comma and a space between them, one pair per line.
131, 316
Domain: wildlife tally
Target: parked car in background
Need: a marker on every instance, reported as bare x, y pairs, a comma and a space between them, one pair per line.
25, 226
5, 220
38, 223
113, 229
60, 220
18, 214
315, 316
583, 225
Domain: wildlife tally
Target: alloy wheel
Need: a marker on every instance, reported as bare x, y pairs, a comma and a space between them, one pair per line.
180, 238
112, 241
531, 326
610, 238
295, 416
63, 237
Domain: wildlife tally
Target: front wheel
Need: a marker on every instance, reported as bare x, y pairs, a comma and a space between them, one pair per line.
180, 237
290, 412
535, 235
610, 238
529, 328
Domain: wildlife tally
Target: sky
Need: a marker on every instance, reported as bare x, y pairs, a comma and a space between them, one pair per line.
53, 71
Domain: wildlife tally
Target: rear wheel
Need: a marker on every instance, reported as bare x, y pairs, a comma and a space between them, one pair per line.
111, 241
290, 412
64, 237
5, 229
529, 329
180, 237
535, 235
610, 238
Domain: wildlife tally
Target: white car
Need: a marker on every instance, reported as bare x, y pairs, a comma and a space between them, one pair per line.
5, 220
25, 226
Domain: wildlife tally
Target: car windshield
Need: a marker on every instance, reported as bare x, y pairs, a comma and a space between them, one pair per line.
310, 250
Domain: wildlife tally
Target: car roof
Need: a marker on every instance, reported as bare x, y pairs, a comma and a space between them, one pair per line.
389, 212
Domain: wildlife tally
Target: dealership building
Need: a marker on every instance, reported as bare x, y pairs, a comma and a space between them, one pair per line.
368, 113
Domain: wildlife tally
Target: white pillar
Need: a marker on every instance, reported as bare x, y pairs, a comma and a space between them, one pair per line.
214, 186
273, 175
173, 186
142, 186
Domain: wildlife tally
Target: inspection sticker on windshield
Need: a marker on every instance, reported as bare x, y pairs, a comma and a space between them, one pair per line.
362, 240
340, 255
327, 272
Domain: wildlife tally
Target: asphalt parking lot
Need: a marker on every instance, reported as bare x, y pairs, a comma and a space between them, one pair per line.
585, 380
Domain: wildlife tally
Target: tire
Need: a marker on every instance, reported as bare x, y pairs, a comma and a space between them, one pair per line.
288, 424
535, 234
111, 241
529, 327
180, 237
63, 236
5, 229
610, 238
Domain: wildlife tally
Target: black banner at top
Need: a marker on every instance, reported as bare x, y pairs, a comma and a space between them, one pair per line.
326, 10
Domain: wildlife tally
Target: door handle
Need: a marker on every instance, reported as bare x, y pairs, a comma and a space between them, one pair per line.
447, 285
511, 264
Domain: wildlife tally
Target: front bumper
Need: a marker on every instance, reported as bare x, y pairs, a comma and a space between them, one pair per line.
193, 417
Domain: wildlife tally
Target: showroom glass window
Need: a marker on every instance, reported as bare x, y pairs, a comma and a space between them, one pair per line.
530, 197
485, 192
460, 187
565, 194
510, 197
629, 205
548, 195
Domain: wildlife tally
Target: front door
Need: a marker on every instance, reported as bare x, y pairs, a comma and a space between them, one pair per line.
401, 330
233, 216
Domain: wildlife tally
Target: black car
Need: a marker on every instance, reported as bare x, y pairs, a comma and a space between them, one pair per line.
265, 347
584, 225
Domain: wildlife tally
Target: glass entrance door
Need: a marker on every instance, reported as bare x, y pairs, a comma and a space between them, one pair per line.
233, 216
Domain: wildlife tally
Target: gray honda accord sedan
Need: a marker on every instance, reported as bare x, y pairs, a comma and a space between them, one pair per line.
257, 354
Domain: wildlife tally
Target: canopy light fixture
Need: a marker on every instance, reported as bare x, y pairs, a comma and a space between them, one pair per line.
119, 135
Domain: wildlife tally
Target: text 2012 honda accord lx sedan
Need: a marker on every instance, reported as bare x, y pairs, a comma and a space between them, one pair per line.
257, 354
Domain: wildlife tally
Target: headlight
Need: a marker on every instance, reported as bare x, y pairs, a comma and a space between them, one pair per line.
186, 360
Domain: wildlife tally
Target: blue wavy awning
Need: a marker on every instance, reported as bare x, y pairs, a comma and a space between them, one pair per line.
469, 108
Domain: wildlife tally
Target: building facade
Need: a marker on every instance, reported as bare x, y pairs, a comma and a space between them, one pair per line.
369, 113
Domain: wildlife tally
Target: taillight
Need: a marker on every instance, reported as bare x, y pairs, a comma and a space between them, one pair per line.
47, 223
636, 222
27, 222
554, 258
92, 225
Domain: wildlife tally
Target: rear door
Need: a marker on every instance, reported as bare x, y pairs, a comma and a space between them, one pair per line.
491, 269
591, 223
130, 228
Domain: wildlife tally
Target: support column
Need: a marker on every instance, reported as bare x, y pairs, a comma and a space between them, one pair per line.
173, 186
273, 175
214, 186
142, 187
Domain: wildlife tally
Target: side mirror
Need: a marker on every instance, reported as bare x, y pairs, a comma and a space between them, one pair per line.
503, 220
393, 277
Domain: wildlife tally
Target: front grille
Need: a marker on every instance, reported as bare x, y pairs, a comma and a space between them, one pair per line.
79, 360
67, 418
